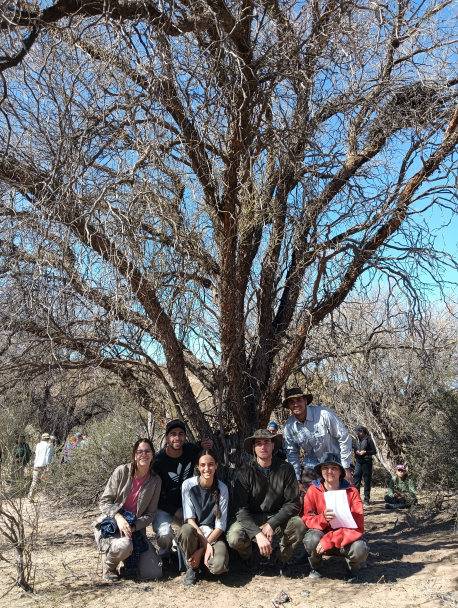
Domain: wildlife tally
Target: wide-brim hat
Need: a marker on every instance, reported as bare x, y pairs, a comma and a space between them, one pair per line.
261, 434
329, 458
296, 392
45, 436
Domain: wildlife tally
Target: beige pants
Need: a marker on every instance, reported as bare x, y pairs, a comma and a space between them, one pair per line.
118, 549
37, 472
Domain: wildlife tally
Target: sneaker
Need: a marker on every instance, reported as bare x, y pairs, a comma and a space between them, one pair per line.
366, 502
314, 574
282, 568
351, 577
191, 577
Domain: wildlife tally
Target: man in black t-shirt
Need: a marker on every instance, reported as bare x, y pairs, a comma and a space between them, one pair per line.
174, 464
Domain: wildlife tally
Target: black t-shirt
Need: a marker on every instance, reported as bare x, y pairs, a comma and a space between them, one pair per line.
173, 471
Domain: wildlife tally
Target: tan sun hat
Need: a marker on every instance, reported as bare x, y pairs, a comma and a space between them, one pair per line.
296, 392
261, 434
45, 436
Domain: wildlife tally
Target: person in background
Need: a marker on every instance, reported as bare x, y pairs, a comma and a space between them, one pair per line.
321, 539
279, 450
21, 458
43, 455
84, 440
364, 450
205, 504
69, 448
401, 490
266, 503
132, 492
316, 430
174, 464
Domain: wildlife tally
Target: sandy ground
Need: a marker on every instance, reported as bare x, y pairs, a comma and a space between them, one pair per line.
407, 567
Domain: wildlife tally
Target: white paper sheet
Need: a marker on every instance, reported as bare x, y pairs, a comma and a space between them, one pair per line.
337, 501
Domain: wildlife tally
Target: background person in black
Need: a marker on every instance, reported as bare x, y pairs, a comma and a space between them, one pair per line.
364, 450
174, 464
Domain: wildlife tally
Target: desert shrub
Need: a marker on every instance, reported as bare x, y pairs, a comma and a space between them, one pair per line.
19, 519
432, 454
81, 481
380, 476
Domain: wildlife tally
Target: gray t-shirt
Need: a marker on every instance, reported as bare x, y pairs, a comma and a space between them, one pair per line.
199, 504
265, 470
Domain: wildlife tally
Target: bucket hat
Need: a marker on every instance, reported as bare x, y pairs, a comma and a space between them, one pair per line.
261, 434
296, 392
329, 458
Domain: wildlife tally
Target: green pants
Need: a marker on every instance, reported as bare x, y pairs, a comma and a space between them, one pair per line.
290, 534
189, 543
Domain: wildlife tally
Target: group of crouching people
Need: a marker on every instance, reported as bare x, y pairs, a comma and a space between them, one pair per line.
271, 498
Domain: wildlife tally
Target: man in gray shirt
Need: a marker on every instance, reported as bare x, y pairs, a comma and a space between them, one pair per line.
316, 430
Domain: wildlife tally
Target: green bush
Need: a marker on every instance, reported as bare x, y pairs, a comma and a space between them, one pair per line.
81, 481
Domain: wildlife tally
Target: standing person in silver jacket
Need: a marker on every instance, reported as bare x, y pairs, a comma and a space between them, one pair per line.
316, 430
135, 488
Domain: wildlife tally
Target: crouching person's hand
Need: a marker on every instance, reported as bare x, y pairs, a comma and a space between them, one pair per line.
319, 549
195, 558
124, 527
265, 547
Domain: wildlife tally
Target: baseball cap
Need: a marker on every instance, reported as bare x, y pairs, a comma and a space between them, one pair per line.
173, 424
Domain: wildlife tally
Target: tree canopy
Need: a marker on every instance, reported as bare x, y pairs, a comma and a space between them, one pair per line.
190, 189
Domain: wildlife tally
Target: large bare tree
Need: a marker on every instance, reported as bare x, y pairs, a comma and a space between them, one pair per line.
189, 189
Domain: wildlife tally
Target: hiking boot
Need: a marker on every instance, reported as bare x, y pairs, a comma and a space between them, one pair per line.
314, 574
191, 577
282, 568
366, 502
110, 575
351, 577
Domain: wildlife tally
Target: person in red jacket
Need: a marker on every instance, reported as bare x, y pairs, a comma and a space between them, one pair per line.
321, 538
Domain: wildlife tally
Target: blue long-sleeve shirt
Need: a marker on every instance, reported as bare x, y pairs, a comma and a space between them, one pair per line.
321, 432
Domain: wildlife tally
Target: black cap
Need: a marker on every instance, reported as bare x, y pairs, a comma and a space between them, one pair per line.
173, 424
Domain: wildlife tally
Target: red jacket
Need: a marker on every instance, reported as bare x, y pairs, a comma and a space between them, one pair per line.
313, 517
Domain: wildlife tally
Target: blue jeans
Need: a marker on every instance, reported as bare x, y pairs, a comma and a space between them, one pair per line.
165, 535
